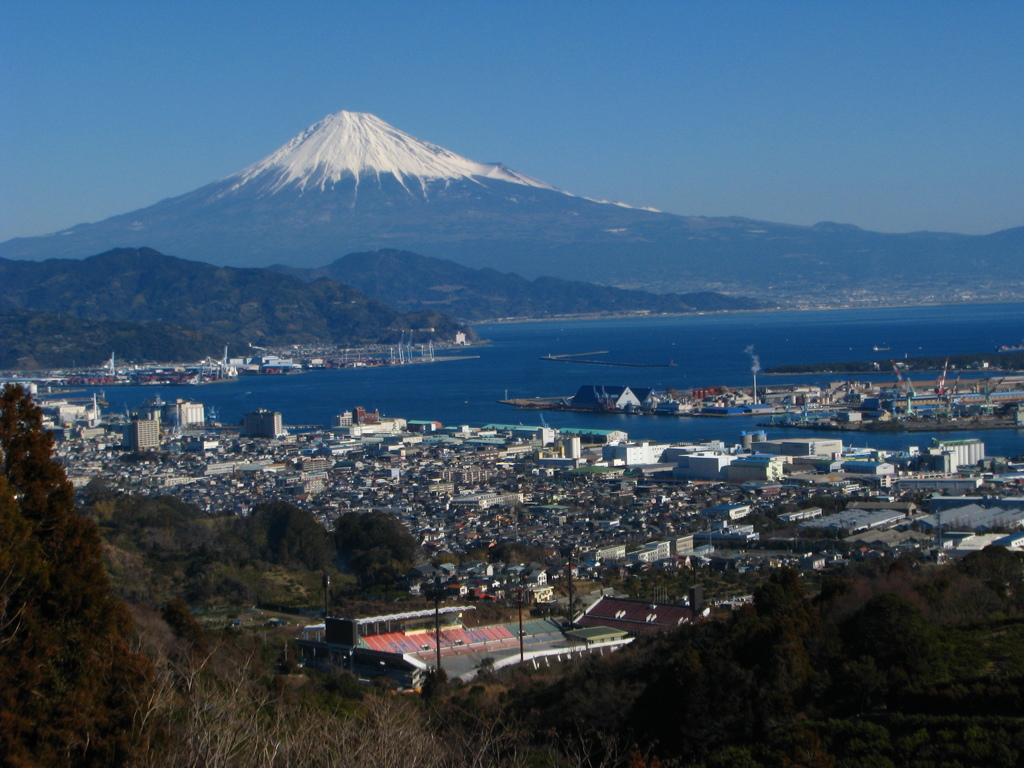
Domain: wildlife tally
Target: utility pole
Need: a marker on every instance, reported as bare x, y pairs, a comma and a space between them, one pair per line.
522, 650
327, 593
571, 590
437, 620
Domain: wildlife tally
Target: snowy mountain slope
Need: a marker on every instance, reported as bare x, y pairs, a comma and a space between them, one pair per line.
358, 145
352, 183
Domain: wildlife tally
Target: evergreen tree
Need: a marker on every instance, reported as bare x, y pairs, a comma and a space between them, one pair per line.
68, 677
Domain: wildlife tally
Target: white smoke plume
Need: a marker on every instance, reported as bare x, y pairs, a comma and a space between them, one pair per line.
755, 361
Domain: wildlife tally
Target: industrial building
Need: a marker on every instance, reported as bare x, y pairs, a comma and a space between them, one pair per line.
611, 398
944, 503
702, 465
801, 514
793, 446
951, 455
867, 467
633, 454
978, 514
938, 483
856, 520
183, 414
756, 467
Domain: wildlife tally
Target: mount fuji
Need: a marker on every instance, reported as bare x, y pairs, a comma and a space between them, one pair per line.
354, 145
353, 183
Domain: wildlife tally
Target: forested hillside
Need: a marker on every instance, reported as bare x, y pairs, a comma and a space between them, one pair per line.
890, 663
35, 340
66, 306
158, 548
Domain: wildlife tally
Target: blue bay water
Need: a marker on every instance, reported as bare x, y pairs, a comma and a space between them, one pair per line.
707, 350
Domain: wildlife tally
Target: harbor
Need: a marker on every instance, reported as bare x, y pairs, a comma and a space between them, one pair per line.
485, 383
991, 402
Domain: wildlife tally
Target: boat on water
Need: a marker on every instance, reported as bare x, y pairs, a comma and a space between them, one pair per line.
583, 357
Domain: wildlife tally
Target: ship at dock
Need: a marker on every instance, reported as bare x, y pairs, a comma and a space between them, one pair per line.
613, 399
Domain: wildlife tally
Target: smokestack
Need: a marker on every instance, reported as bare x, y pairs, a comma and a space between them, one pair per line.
755, 366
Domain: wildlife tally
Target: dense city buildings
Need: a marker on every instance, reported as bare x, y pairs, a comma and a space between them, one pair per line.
609, 499
591, 503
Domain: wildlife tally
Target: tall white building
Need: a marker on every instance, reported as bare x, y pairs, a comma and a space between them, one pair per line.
962, 453
633, 454
183, 414
572, 447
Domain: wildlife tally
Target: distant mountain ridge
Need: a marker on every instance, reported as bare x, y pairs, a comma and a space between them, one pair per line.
410, 282
143, 286
352, 183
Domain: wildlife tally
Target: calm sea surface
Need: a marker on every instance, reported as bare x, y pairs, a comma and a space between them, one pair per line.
707, 350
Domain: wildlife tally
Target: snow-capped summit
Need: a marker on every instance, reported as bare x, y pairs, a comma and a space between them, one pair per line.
359, 145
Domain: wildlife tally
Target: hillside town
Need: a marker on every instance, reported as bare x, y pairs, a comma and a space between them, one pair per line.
596, 496
591, 509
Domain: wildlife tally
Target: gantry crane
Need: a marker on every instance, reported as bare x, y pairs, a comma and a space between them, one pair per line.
908, 387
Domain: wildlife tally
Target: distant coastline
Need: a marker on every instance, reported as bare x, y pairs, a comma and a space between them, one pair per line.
779, 308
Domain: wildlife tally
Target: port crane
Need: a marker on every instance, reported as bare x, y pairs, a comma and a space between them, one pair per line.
908, 388
988, 407
943, 408
843, 386
210, 369
940, 388
948, 399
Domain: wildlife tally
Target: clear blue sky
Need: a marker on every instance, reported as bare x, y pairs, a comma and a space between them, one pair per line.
892, 116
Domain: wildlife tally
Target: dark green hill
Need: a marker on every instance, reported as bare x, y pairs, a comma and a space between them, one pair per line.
142, 286
34, 340
410, 282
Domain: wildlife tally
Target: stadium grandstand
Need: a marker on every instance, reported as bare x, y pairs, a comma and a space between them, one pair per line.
640, 617
403, 647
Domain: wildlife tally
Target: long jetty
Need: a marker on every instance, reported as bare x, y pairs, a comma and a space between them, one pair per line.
581, 357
